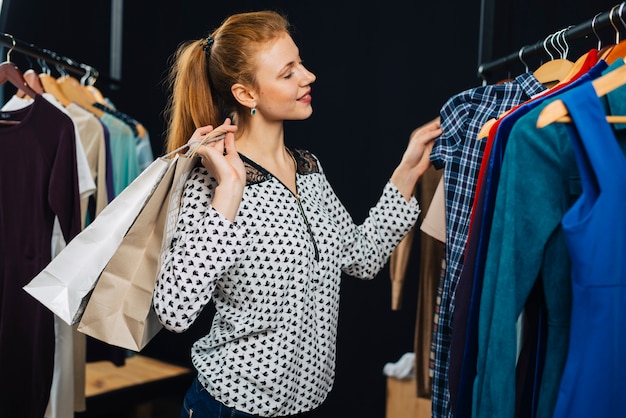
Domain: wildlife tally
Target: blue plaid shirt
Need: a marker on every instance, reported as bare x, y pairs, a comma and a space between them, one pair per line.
459, 152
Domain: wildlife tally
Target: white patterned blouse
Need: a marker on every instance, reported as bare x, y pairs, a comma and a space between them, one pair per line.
273, 276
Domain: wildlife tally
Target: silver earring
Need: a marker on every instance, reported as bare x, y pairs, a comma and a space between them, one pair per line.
253, 111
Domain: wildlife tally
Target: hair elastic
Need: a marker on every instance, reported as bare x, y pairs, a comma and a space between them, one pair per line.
208, 44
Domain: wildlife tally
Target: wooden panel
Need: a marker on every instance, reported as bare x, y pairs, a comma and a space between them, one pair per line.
403, 402
104, 376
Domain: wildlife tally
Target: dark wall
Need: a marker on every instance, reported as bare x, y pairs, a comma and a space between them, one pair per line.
382, 70
526, 22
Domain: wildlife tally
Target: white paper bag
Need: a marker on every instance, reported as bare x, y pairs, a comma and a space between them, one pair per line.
119, 311
65, 284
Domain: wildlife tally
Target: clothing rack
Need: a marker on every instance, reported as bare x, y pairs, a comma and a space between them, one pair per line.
611, 18
87, 72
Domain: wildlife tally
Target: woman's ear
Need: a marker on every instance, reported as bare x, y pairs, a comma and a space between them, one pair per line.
243, 95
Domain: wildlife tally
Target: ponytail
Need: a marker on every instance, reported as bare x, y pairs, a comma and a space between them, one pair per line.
203, 72
192, 103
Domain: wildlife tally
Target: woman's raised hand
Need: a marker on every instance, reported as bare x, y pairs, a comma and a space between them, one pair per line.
222, 161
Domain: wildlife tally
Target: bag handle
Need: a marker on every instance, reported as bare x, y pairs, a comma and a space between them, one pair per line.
207, 139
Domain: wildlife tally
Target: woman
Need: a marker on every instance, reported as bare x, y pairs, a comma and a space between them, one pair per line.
260, 231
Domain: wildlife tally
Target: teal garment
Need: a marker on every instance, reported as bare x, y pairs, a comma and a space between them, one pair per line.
123, 152
143, 151
539, 182
145, 156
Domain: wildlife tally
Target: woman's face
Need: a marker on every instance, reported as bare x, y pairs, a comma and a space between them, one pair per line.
284, 91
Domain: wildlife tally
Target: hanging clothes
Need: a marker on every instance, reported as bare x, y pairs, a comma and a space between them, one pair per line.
595, 232
459, 152
93, 139
68, 367
86, 184
143, 147
95, 185
431, 255
400, 257
463, 346
123, 153
550, 181
38, 181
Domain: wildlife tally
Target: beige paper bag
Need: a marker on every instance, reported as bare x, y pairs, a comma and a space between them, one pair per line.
120, 310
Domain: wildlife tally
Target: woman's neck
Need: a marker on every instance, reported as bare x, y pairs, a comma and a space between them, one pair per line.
268, 150
262, 144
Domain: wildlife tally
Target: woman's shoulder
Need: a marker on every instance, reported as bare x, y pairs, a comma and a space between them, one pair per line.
307, 161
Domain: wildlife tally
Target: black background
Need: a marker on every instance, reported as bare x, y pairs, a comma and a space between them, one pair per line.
383, 68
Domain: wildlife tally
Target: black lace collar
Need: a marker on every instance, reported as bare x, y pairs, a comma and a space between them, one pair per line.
306, 162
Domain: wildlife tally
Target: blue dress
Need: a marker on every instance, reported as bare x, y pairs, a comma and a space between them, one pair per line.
592, 383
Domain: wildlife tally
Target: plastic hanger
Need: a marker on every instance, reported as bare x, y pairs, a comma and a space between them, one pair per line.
557, 112
556, 69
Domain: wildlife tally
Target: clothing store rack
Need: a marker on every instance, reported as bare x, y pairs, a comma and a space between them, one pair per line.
16, 45
611, 18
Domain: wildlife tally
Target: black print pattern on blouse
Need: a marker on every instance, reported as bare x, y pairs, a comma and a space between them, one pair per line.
271, 347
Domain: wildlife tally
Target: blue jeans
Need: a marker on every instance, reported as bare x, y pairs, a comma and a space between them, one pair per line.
199, 404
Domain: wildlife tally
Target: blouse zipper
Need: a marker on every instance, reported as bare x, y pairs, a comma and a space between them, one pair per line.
297, 196
308, 225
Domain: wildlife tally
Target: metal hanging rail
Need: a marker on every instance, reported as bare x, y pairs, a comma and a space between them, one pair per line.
17, 45
590, 27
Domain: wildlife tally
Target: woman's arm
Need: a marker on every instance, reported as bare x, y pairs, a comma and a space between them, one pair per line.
416, 158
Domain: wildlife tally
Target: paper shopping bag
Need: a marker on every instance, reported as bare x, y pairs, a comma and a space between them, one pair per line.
119, 311
64, 285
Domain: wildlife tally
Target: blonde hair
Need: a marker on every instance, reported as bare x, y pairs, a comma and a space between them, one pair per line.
203, 72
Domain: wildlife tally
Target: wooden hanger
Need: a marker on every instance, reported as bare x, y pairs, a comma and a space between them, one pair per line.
484, 131
578, 65
605, 51
617, 50
32, 79
10, 72
555, 70
73, 90
50, 86
87, 83
557, 111
97, 95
